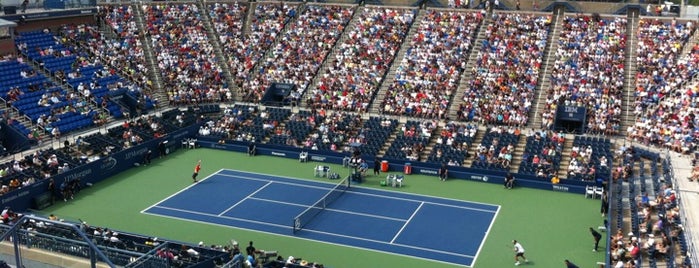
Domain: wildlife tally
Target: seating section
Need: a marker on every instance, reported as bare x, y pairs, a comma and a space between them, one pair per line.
542, 154
411, 140
453, 144
334, 131
108, 84
295, 131
185, 56
654, 223
429, 73
507, 70
589, 71
23, 87
121, 248
299, 53
496, 149
362, 59
590, 158
125, 52
666, 89
245, 49
246, 123
373, 135
63, 111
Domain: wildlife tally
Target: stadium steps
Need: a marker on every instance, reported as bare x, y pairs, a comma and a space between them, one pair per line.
436, 134
221, 60
91, 103
544, 81
268, 53
390, 76
327, 61
106, 29
691, 41
627, 118
478, 139
517, 155
250, 7
389, 140
467, 74
565, 157
155, 73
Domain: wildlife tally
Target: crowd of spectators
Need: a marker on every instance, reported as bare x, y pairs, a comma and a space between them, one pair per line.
656, 227
507, 70
125, 52
589, 71
546, 159
244, 50
665, 98
300, 51
362, 59
497, 147
186, 57
429, 73
453, 143
335, 132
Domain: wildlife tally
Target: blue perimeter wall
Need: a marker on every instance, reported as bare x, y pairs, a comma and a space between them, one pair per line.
94, 172
490, 176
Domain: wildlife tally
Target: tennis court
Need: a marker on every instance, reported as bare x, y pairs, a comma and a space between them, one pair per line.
438, 229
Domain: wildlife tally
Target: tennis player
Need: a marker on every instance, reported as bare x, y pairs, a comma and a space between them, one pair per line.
519, 252
197, 168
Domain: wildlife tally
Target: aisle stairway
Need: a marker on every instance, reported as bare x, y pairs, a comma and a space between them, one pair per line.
159, 92
627, 116
544, 85
221, 60
390, 77
327, 61
467, 74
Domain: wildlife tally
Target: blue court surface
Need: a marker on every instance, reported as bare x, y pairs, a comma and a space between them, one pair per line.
437, 229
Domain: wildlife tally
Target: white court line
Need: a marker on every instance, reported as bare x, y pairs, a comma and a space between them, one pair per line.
281, 182
368, 188
406, 223
487, 232
331, 209
225, 217
180, 191
368, 194
249, 196
314, 231
309, 239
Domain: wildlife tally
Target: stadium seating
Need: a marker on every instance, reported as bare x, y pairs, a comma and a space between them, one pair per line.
589, 71
362, 60
425, 81
595, 151
299, 53
507, 70
496, 148
453, 143
411, 140
244, 50
186, 58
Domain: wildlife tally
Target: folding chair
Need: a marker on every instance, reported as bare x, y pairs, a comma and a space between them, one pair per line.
192, 143
318, 171
185, 142
599, 191
590, 191
399, 181
391, 179
303, 157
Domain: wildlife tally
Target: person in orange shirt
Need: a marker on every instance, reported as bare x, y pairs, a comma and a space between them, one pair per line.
197, 168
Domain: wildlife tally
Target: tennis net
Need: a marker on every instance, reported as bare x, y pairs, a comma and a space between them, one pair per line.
307, 215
